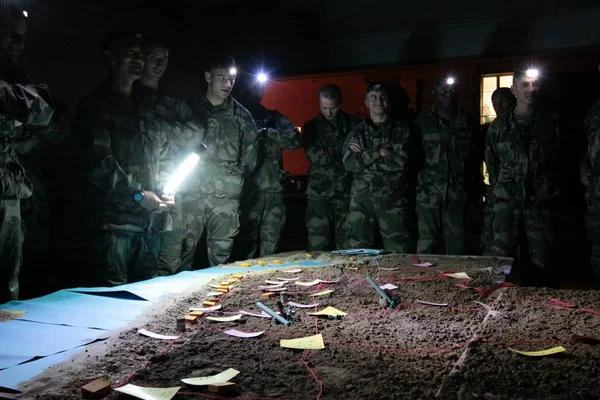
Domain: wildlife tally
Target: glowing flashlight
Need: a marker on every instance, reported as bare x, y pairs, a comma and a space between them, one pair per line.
232, 71
182, 172
25, 14
532, 73
262, 77
450, 81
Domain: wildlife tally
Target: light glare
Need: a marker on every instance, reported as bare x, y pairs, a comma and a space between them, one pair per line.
450, 81
25, 14
182, 172
232, 71
532, 73
262, 77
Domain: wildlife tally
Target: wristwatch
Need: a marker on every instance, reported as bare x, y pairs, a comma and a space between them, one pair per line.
139, 196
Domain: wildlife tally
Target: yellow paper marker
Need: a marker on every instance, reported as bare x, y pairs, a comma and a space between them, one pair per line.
352, 268
309, 255
262, 263
277, 262
459, 275
548, 352
323, 293
315, 282
244, 265
142, 392
334, 312
17, 312
209, 380
352, 259
309, 342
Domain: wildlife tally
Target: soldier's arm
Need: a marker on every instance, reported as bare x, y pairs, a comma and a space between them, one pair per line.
99, 165
401, 151
166, 166
352, 161
491, 155
249, 151
286, 134
25, 105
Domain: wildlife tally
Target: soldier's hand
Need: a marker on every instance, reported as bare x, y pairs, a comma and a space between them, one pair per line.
385, 151
152, 202
169, 200
355, 148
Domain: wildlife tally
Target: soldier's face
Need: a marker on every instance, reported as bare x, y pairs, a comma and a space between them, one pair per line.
13, 34
220, 82
525, 90
378, 102
156, 62
446, 96
330, 108
126, 61
503, 104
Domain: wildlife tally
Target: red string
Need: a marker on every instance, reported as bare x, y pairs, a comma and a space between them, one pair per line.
302, 359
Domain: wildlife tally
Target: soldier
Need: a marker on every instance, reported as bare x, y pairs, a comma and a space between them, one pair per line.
263, 210
23, 108
213, 198
34, 148
521, 156
329, 183
590, 177
183, 133
503, 102
378, 152
127, 161
448, 171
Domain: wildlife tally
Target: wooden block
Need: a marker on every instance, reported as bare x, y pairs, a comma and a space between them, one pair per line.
223, 290
244, 265
262, 263
238, 276
209, 303
197, 313
225, 387
224, 283
268, 295
96, 389
232, 281
309, 255
191, 319
277, 262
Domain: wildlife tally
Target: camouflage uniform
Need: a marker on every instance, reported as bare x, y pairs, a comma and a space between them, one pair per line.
447, 178
329, 183
263, 211
183, 133
20, 108
124, 151
380, 189
592, 128
521, 156
211, 198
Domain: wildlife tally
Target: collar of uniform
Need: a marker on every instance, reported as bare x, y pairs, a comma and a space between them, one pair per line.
116, 101
385, 125
339, 119
226, 106
460, 116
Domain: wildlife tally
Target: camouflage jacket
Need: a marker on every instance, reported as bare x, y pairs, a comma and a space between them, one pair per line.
323, 145
231, 155
523, 162
22, 111
592, 158
375, 175
449, 160
269, 175
124, 151
184, 132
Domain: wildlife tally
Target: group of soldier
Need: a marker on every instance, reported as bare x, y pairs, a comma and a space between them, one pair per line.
410, 184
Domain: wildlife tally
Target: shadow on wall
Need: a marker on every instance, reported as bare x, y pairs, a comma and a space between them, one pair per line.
421, 45
400, 102
509, 37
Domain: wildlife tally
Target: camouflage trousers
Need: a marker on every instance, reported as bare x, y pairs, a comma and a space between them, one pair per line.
262, 220
592, 220
327, 223
11, 251
436, 222
513, 225
486, 230
391, 216
171, 246
220, 218
124, 257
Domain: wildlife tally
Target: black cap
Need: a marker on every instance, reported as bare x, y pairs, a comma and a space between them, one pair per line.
120, 39
376, 87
